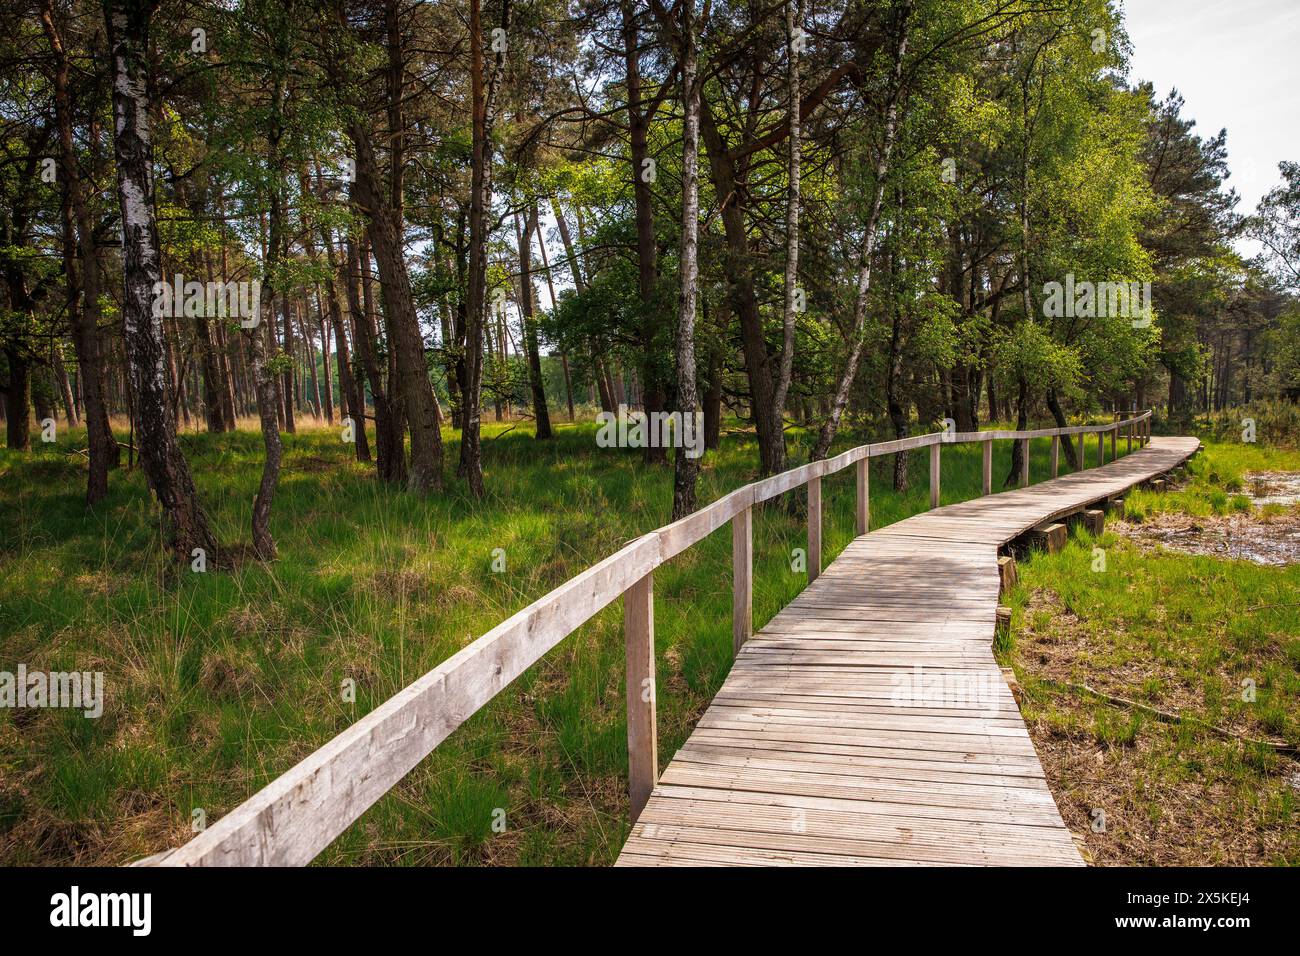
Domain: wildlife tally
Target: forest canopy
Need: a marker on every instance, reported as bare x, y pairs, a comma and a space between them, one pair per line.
397, 216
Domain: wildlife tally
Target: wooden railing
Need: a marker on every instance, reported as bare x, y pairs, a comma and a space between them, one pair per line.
297, 815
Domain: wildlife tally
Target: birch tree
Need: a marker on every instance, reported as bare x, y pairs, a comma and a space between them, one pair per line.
686, 468
794, 46
128, 24
900, 26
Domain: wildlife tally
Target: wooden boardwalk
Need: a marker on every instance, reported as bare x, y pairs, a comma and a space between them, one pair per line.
868, 723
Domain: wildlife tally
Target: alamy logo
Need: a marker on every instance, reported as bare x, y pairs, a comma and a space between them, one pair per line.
73, 690
655, 430
75, 908
1087, 300
235, 300
958, 690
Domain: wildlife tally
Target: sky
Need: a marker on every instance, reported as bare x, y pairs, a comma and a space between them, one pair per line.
1237, 65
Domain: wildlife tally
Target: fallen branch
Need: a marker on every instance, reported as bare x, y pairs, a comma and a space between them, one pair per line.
1167, 716
526, 418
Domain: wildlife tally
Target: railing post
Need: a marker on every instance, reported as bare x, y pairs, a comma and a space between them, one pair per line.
988, 466
742, 581
1114, 432
1101, 449
814, 528
934, 474
1056, 455
1128, 436
1024, 463
642, 742
864, 495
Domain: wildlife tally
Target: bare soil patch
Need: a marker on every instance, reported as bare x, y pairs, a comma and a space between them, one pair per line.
1272, 539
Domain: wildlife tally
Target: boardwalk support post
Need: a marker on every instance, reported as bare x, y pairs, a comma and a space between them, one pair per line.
742, 569
1056, 455
1049, 536
1007, 577
934, 475
814, 528
988, 466
864, 495
1024, 463
642, 742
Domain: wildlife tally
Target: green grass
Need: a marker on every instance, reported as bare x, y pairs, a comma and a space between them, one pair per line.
1180, 633
216, 683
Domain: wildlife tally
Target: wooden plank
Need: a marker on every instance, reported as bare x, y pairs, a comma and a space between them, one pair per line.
642, 731
934, 474
680, 535
903, 444
864, 496
742, 578
814, 528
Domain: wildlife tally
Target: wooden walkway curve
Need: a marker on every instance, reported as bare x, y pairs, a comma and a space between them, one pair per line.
868, 723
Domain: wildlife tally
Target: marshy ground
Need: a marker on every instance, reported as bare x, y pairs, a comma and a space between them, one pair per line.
1196, 613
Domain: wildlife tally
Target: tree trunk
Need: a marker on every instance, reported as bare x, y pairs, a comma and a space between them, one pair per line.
1017, 447
390, 455
550, 286
1058, 415
128, 25
713, 404
328, 375
857, 337
638, 122
18, 397
527, 301
896, 406
483, 114
263, 543
351, 389
287, 388
686, 465
413, 389
737, 265
794, 41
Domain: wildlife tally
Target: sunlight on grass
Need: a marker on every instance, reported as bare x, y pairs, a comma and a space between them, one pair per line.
218, 682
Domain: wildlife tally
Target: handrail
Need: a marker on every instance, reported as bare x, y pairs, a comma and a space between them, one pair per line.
293, 818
